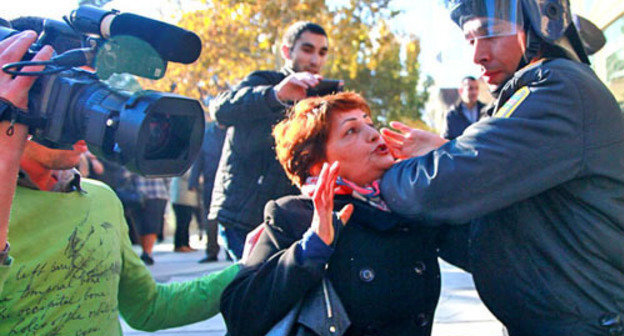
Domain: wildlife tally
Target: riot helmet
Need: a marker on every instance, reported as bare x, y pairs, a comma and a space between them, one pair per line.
547, 23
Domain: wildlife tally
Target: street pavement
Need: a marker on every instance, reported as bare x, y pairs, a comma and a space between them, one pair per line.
460, 311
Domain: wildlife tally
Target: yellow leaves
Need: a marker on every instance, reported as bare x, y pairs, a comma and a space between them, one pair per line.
264, 42
353, 70
412, 47
243, 36
372, 64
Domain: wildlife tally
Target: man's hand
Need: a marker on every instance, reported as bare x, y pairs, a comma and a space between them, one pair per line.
293, 87
15, 90
410, 142
13, 49
323, 200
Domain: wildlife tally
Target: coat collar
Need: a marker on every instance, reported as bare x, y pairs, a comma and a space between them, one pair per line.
286, 71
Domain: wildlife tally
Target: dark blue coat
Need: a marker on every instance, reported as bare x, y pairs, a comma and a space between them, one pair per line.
543, 182
388, 280
208, 160
456, 121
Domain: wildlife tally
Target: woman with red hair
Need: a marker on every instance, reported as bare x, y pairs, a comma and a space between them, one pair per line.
335, 258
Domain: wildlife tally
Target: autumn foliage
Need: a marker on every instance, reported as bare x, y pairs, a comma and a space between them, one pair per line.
242, 36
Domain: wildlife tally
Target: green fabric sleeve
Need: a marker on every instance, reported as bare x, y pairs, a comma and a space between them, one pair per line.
146, 305
5, 269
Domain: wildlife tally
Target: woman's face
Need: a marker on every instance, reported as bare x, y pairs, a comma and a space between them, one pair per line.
357, 145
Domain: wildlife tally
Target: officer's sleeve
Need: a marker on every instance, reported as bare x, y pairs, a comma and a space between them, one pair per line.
534, 142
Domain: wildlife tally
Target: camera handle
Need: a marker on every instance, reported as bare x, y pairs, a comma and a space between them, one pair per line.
62, 62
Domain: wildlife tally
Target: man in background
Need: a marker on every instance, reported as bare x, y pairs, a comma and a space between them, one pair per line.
468, 111
249, 175
206, 167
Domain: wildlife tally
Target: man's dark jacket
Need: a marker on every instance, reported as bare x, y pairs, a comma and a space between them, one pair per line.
249, 174
208, 160
456, 121
385, 273
544, 183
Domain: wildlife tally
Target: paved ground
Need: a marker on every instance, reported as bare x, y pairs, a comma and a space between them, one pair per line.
460, 312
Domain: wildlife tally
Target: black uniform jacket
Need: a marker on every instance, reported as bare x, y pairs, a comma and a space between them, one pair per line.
249, 174
388, 281
544, 180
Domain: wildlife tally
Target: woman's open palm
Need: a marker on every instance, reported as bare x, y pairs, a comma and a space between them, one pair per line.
323, 200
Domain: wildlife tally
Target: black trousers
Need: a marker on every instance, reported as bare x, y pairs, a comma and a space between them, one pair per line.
212, 246
183, 214
131, 213
151, 219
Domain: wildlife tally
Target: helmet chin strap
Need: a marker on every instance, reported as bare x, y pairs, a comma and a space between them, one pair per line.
564, 47
533, 46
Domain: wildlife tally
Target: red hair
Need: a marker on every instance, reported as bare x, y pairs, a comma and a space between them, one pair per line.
300, 139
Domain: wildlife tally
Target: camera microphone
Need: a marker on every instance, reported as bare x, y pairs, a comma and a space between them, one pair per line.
172, 43
150, 132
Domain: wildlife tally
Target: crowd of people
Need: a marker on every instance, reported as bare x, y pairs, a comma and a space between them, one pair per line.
145, 200
337, 226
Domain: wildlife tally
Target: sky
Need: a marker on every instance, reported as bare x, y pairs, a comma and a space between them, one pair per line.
444, 54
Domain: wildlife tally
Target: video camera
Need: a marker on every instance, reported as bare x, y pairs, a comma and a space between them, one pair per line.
152, 133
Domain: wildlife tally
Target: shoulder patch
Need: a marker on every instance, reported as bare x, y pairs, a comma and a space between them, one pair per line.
512, 104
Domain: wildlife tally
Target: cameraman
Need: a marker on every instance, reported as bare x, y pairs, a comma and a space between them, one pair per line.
71, 269
249, 175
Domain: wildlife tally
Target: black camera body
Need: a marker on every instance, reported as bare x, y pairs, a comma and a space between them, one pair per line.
149, 132
326, 87
152, 133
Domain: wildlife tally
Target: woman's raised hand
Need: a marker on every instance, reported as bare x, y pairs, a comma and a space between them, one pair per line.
323, 200
410, 142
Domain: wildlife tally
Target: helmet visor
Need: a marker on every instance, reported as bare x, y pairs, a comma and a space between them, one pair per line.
486, 18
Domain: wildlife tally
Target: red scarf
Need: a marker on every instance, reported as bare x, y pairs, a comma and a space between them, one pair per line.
369, 194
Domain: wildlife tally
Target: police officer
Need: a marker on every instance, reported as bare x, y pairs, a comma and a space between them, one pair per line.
542, 181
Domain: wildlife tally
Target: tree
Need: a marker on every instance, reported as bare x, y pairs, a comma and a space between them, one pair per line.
242, 36
387, 75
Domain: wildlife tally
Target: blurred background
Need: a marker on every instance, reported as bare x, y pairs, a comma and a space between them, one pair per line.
405, 56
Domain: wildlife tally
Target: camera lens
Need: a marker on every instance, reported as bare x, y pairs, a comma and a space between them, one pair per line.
159, 136
167, 136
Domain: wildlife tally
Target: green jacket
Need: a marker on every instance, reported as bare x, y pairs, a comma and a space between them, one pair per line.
74, 271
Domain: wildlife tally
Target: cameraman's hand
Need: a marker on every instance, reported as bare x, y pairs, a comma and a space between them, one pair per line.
410, 142
15, 90
13, 49
293, 87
